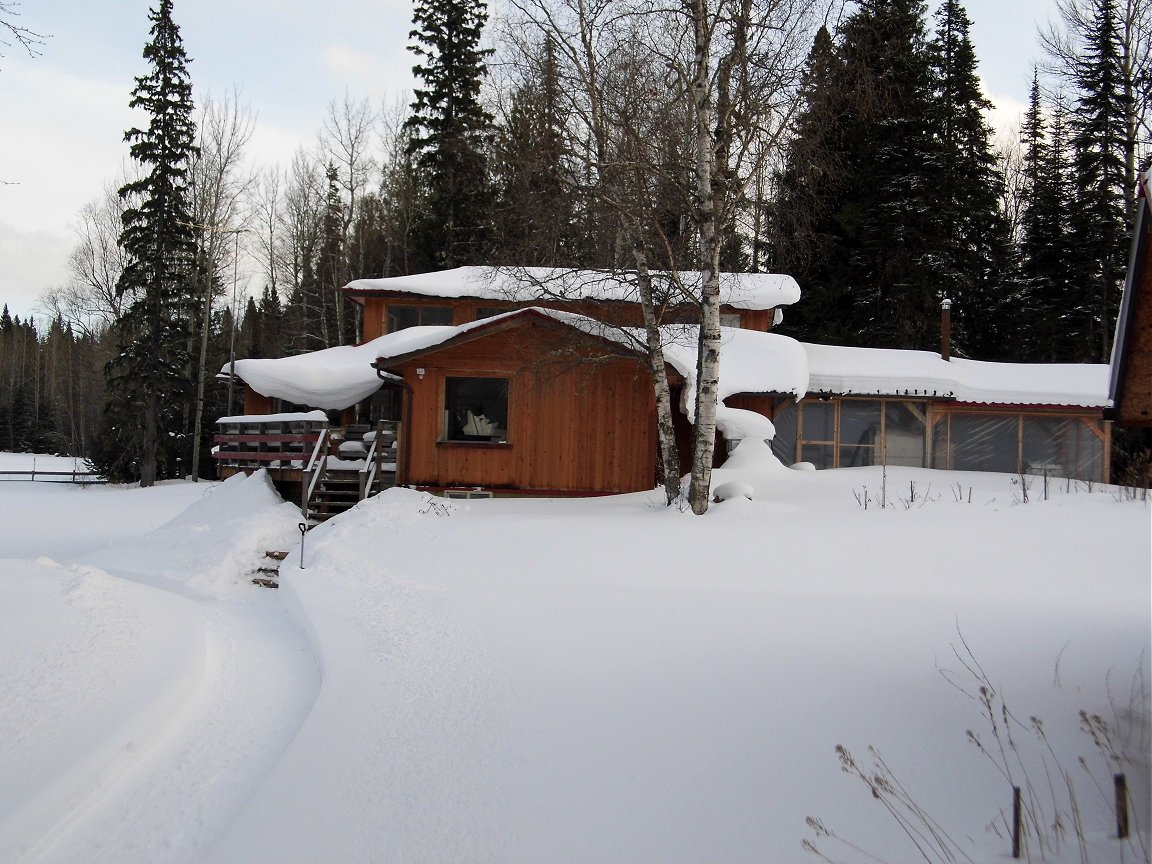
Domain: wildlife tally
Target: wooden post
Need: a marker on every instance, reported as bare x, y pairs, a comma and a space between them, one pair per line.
1016, 821
379, 455
1121, 806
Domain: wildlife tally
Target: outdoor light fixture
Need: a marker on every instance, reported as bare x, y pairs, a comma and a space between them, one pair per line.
420, 372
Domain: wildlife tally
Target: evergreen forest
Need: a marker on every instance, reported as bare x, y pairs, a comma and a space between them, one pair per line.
857, 156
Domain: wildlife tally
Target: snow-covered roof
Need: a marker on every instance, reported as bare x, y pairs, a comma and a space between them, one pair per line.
888, 372
333, 378
750, 362
526, 284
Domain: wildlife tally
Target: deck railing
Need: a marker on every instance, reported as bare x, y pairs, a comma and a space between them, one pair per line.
268, 440
381, 458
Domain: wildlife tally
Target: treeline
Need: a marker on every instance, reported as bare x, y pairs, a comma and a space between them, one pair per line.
858, 159
51, 387
893, 196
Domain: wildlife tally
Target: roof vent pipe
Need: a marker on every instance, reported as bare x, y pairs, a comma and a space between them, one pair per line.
946, 329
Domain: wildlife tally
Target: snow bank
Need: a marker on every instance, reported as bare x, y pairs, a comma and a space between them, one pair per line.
561, 680
90, 665
524, 681
213, 546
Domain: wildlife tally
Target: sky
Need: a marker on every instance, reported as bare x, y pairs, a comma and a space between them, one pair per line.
63, 113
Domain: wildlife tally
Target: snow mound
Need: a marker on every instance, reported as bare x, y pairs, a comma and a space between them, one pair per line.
216, 543
732, 489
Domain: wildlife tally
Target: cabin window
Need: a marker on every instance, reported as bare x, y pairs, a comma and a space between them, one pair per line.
1030, 444
1061, 447
403, 317
860, 433
729, 319
476, 409
844, 433
817, 434
488, 311
983, 442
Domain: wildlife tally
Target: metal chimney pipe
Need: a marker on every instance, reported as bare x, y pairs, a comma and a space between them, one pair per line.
946, 329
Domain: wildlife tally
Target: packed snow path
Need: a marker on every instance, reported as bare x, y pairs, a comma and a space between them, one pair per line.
230, 682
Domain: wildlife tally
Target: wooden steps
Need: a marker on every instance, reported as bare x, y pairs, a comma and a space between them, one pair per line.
268, 574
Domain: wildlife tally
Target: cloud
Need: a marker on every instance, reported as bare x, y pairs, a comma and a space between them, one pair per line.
63, 140
31, 262
1005, 114
366, 72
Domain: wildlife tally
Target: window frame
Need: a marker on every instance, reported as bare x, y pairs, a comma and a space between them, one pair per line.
446, 435
421, 309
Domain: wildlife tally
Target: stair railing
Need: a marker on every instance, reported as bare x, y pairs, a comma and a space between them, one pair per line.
313, 471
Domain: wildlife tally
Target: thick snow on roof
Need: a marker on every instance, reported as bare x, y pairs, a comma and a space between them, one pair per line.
750, 362
525, 284
333, 378
889, 372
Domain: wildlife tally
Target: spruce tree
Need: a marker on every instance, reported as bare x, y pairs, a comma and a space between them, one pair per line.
533, 213
972, 263
449, 131
877, 241
803, 228
1045, 267
1100, 139
147, 380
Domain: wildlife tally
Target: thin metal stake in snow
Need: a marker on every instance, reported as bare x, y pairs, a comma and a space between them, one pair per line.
303, 526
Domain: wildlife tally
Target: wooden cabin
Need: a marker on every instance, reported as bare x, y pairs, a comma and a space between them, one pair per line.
527, 403
464, 391
1131, 368
465, 294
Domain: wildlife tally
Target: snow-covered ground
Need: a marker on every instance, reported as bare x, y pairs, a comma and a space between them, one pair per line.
568, 681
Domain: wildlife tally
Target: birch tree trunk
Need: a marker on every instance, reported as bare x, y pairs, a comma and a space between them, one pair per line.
708, 190
665, 430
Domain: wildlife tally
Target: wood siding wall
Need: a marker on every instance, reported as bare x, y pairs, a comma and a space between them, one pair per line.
578, 420
466, 309
1135, 390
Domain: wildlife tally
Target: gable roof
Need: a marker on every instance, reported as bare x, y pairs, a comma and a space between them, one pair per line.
526, 284
750, 362
618, 340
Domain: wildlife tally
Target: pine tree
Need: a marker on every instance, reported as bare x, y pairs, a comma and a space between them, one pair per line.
533, 212
867, 163
449, 129
802, 225
1045, 267
339, 322
1099, 141
972, 265
148, 382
